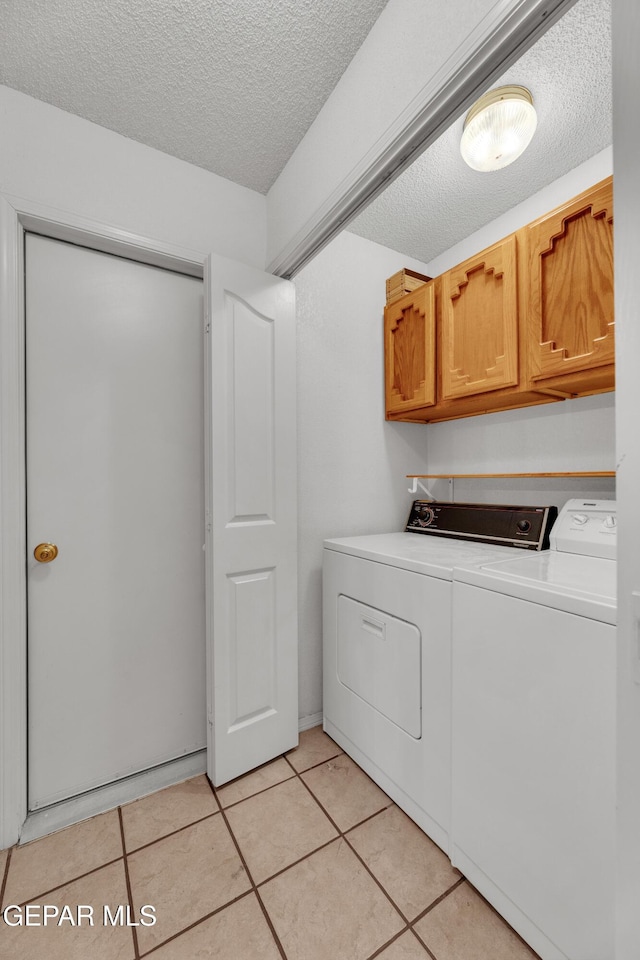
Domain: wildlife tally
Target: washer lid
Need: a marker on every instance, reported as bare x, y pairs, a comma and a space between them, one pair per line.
577, 584
432, 556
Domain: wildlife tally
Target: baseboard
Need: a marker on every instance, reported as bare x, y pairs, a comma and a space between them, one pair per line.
306, 723
41, 822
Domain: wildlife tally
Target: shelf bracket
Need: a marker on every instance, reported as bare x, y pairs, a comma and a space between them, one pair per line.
418, 483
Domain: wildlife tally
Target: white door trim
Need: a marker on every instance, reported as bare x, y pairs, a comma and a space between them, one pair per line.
16, 217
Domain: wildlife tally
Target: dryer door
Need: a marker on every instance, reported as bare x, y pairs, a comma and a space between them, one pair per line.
379, 660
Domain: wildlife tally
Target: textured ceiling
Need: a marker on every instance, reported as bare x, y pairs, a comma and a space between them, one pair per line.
439, 200
233, 85
229, 85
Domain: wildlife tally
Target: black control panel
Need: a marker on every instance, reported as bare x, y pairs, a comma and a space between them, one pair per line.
506, 525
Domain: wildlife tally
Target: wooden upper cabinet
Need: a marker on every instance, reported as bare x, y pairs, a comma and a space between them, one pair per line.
570, 318
529, 320
409, 344
479, 326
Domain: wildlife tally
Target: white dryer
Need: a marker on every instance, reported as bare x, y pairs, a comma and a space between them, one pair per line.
387, 644
533, 735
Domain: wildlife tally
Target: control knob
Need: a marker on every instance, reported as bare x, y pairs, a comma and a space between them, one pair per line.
425, 516
580, 518
523, 526
610, 522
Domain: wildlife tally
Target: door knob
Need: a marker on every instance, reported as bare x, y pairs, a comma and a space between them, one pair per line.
45, 552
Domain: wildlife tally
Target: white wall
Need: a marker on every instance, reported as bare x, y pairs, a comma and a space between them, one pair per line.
571, 435
65, 162
626, 126
351, 463
582, 177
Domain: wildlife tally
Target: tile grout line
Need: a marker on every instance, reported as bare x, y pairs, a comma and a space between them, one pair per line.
196, 923
342, 835
165, 836
5, 876
256, 794
298, 774
294, 773
535, 956
136, 948
428, 910
409, 928
373, 876
242, 776
371, 816
269, 923
107, 863
438, 900
295, 863
423, 944
306, 856
388, 943
207, 916
255, 887
314, 766
409, 924
249, 875
59, 886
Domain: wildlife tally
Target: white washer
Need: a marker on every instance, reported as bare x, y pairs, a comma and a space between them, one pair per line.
387, 663
533, 735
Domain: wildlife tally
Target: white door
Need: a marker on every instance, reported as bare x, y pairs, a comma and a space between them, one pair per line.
116, 648
250, 437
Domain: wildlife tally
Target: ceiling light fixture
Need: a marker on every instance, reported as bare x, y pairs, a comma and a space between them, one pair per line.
498, 128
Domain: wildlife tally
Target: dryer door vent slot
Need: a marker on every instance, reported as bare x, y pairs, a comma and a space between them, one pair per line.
376, 627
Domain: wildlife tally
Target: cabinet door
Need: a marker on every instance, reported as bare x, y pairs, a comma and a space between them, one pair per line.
570, 302
409, 344
479, 331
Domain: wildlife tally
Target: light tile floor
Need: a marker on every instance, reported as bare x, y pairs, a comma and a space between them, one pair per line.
303, 859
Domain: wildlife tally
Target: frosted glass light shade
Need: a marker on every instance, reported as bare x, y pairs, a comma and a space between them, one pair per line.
498, 128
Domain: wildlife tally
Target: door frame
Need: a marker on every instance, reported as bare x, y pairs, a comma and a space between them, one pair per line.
18, 216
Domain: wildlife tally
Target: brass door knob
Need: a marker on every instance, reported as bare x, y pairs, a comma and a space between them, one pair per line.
45, 552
